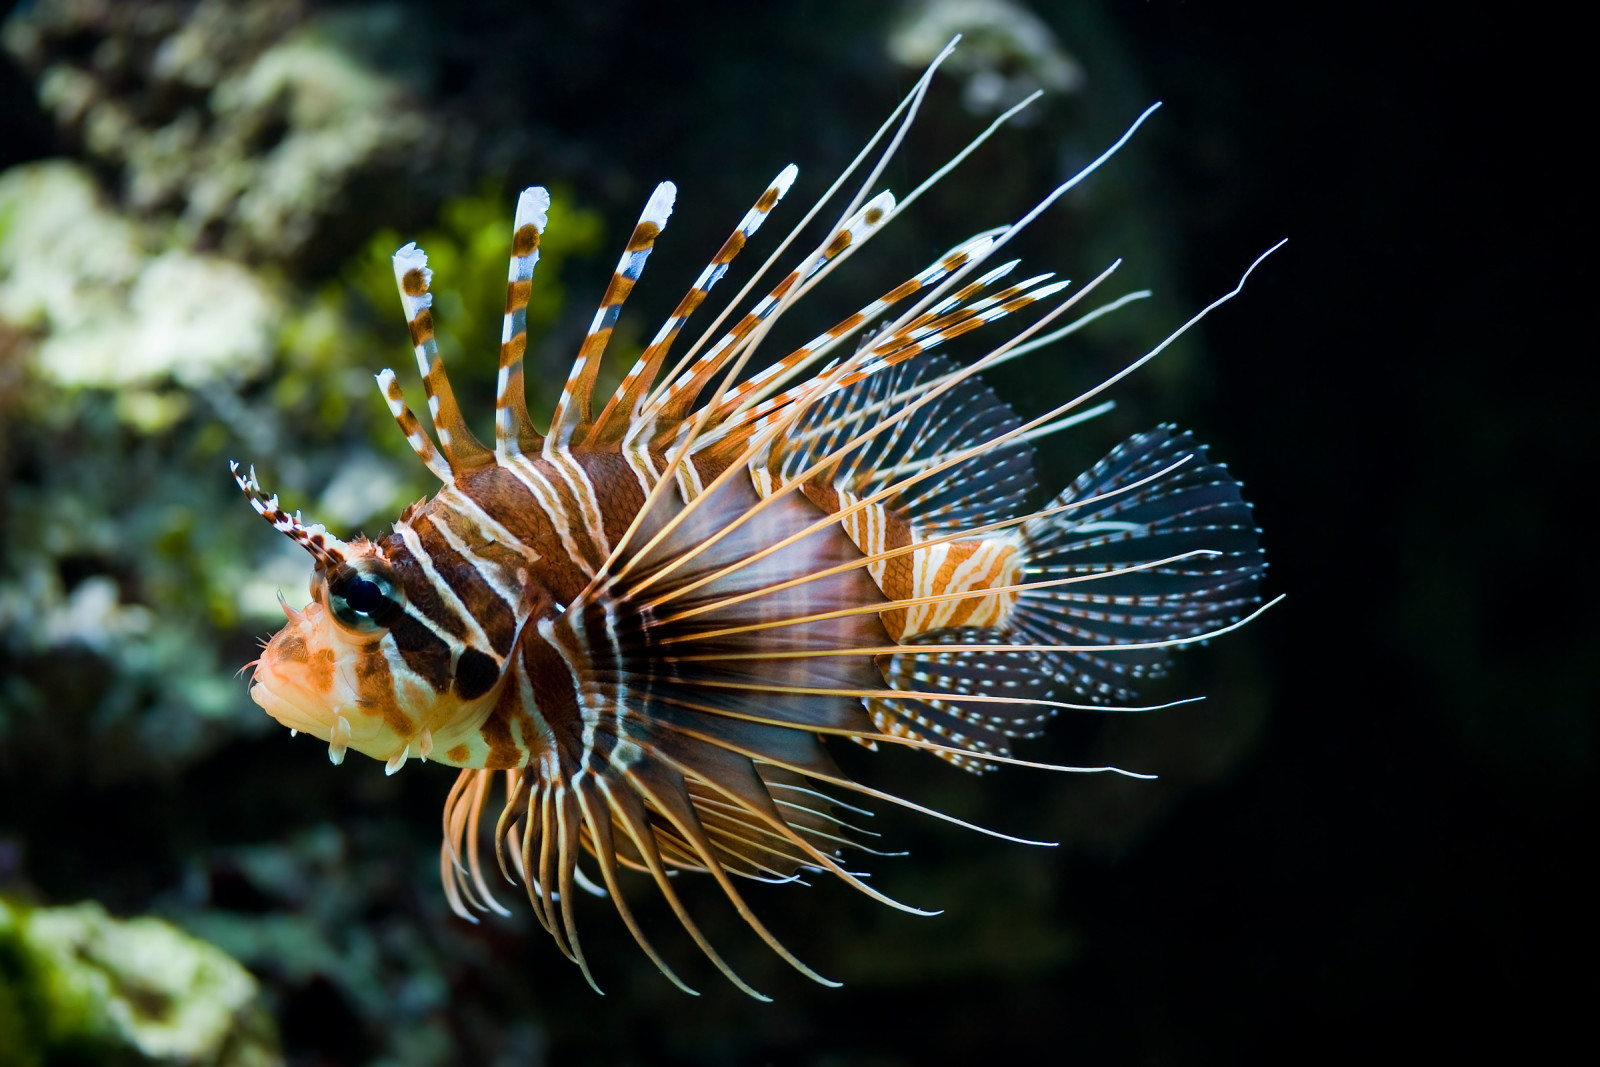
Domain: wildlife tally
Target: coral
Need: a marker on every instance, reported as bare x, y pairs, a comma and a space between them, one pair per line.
238, 118
77, 984
114, 308
309, 931
1007, 50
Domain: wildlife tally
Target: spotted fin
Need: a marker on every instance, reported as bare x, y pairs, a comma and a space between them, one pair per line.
1196, 507
991, 485
984, 725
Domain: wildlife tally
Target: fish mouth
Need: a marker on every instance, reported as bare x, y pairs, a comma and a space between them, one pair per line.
304, 710
278, 698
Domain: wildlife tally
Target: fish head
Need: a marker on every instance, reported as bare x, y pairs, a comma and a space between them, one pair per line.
362, 666
326, 673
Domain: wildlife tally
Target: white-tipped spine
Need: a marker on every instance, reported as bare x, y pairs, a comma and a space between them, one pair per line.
659, 207
416, 437
533, 207
408, 259
405, 261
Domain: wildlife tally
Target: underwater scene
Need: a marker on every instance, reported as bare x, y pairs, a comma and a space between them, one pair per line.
822, 534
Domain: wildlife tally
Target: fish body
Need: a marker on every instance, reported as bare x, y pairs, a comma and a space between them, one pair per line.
651, 621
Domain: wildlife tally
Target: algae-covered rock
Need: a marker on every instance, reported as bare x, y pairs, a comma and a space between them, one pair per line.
77, 984
116, 342
113, 308
240, 118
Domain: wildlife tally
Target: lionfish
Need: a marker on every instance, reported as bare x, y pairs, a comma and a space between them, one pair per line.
652, 621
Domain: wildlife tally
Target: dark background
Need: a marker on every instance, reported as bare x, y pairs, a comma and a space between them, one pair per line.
1388, 865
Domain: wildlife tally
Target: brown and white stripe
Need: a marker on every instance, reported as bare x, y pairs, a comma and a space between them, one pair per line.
877, 356
763, 381
511, 421
573, 410
679, 396
622, 411
460, 447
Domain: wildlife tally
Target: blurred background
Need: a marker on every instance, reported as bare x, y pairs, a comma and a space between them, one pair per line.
1361, 844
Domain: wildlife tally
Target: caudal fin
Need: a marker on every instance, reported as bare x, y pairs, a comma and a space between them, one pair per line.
1195, 506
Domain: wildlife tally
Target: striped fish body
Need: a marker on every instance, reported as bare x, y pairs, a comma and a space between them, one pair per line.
509, 545
649, 623
936, 573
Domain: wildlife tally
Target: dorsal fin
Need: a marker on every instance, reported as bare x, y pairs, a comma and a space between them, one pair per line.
766, 380
620, 411
883, 352
513, 429
461, 448
680, 395
572, 416
416, 436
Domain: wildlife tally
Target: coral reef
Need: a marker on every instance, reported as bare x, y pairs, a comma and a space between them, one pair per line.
113, 304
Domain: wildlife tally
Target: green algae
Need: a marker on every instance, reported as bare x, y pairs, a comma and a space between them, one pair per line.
77, 985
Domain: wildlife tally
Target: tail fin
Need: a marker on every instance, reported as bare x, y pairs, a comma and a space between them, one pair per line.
1196, 506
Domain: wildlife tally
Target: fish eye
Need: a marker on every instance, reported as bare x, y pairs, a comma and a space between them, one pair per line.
364, 596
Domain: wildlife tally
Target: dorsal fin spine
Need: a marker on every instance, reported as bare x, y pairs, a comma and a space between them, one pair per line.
513, 429
462, 450
681, 394
573, 416
623, 408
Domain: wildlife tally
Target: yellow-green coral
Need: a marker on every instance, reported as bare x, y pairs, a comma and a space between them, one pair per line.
76, 983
